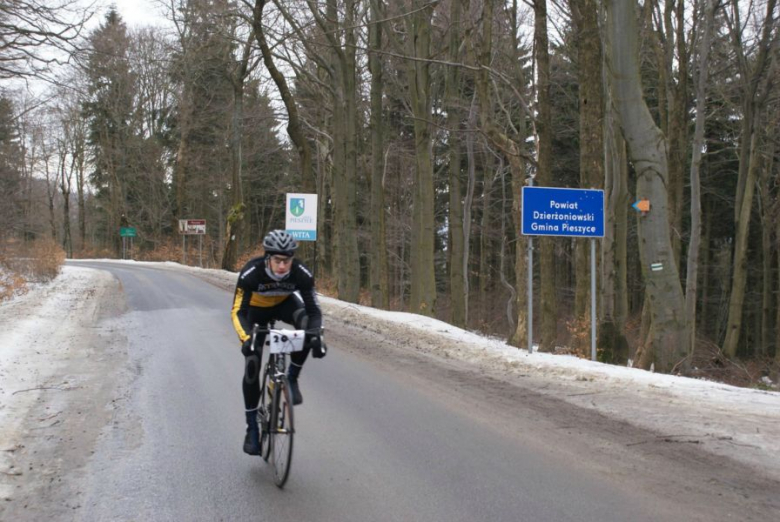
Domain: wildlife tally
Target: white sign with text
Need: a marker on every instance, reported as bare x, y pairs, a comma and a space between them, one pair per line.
301, 216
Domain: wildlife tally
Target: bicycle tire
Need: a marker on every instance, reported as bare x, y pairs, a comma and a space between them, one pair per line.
264, 417
282, 431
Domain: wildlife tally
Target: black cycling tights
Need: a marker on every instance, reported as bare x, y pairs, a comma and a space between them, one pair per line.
290, 311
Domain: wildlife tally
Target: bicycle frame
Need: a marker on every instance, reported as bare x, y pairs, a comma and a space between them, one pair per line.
275, 411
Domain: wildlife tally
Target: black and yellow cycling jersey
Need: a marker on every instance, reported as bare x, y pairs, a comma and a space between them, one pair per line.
257, 290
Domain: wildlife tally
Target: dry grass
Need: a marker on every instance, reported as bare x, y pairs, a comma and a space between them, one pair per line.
91, 252
251, 254
710, 363
169, 251
39, 261
11, 284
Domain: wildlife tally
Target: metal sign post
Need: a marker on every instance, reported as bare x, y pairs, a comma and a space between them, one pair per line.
564, 212
127, 232
192, 227
592, 299
530, 295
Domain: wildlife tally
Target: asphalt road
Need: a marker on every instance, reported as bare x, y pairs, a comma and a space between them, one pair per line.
377, 439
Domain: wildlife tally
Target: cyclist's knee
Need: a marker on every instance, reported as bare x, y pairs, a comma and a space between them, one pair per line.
252, 369
300, 319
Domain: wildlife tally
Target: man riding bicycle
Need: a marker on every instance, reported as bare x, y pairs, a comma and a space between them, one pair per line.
275, 286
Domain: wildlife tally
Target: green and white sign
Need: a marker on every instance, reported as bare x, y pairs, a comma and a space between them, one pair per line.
127, 232
301, 216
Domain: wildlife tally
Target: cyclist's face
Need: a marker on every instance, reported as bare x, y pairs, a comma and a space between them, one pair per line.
280, 265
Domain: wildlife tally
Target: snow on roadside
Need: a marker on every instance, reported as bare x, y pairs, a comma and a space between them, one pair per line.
740, 423
37, 332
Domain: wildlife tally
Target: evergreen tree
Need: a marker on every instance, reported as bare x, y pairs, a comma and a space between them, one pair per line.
10, 171
109, 111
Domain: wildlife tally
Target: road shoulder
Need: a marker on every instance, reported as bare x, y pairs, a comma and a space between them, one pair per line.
63, 353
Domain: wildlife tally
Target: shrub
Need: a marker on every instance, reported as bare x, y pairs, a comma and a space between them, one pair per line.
20, 263
11, 284
45, 258
164, 251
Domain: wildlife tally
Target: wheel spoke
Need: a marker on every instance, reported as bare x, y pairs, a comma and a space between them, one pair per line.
283, 430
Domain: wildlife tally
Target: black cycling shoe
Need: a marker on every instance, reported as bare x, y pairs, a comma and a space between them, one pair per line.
297, 398
252, 443
252, 439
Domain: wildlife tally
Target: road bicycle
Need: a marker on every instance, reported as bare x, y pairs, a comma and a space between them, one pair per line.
275, 412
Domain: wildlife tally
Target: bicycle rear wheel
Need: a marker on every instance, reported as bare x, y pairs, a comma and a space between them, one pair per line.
282, 431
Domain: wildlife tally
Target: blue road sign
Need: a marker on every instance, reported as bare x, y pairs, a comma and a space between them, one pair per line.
303, 235
563, 212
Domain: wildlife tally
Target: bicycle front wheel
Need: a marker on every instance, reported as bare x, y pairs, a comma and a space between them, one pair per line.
282, 431
264, 415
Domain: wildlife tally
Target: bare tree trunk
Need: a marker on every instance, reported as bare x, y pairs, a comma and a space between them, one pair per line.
380, 296
235, 218
706, 308
80, 183
511, 149
756, 88
767, 258
418, 24
343, 78
236, 224
79, 161
349, 221
294, 128
470, 188
768, 238
677, 114
549, 301
182, 159
324, 184
739, 277
65, 177
510, 316
454, 114
51, 191
647, 149
698, 143
485, 243
614, 300
591, 100
777, 309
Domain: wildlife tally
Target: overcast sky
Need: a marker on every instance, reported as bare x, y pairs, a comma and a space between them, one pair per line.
136, 13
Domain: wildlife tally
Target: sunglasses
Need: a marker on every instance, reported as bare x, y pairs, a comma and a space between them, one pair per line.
282, 260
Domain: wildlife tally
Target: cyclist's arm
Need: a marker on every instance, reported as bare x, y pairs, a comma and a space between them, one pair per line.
306, 288
312, 308
240, 311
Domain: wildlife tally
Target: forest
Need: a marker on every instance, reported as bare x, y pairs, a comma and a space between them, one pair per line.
417, 123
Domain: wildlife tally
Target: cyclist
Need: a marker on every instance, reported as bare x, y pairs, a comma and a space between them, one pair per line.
274, 286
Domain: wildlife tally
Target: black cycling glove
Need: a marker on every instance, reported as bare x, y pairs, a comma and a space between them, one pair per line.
246, 347
317, 346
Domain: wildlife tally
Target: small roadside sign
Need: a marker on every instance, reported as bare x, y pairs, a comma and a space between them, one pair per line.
301, 216
192, 227
563, 212
642, 205
127, 232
